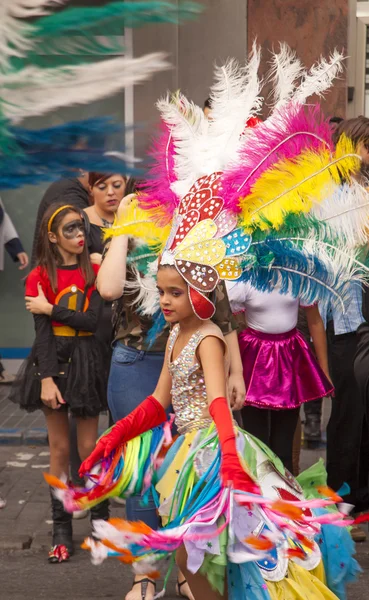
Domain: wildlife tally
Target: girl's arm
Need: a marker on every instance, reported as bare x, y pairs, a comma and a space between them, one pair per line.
47, 362
227, 323
211, 354
318, 335
112, 275
149, 414
85, 321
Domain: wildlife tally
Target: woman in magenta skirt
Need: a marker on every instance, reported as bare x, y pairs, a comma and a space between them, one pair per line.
280, 371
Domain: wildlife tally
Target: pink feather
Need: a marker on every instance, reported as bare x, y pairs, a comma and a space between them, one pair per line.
269, 142
157, 194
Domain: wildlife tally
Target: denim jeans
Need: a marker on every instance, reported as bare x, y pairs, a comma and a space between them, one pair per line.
133, 376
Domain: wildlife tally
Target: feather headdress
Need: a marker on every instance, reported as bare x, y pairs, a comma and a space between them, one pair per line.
282, 170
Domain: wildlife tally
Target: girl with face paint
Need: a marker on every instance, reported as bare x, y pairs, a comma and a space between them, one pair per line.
64, 372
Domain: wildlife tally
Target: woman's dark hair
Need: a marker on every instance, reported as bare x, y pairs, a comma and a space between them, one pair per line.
133, 186
94, 177
207, 103
47, 253
357, 130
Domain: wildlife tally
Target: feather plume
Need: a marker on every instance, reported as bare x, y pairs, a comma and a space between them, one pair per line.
138, 223
346, 212
143, 288
34, 156
293, 130
305, 275
235, 98
188, 127
157, 195
33, 91
293, 185
78, 29
320, 77
14, 30
286, 69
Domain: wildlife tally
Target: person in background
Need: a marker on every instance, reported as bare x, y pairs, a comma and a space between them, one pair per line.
346, 430
9, 241
71, 190
63, 372
280, 371
106, 190
207, 108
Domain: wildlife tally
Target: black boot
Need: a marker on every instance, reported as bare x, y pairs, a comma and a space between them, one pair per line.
62, 541
312, 432
100, 511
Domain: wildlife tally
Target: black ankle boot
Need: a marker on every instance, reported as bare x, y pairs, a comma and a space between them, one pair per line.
100, 511
62, 540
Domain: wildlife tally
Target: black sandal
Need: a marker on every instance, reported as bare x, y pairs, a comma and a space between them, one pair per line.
144, 583
178, 589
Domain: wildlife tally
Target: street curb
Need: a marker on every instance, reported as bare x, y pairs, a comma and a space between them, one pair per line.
17, 437
34, 436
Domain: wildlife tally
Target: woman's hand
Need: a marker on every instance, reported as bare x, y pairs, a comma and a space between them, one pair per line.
236, 390
50, 394
39, 305
126, 201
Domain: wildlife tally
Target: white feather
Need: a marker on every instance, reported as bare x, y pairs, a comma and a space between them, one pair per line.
320, 77
286, 69
346, 212
235, 97
147, 301
14, 30
189, 130
33, 91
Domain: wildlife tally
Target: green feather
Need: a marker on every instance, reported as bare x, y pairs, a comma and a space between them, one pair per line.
96, 30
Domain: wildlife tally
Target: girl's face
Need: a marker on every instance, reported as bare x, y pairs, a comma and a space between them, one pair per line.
108, 194
70, 235
174, 300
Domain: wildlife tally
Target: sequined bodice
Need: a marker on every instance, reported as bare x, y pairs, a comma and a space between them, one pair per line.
189, 397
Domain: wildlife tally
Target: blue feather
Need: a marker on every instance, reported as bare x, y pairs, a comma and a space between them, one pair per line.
280, 263
156, 328
36, 156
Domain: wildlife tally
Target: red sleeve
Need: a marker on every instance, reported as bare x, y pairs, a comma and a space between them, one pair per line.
35, 277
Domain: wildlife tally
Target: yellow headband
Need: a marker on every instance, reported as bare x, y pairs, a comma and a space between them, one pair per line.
58, 210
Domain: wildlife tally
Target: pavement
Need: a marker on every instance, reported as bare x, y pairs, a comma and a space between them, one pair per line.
18, 427
25, 528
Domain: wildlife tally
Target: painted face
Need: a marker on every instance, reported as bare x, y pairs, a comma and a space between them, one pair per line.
71, 235
108, 194
174, 300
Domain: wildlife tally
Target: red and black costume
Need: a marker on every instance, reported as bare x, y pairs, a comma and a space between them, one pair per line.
74, 361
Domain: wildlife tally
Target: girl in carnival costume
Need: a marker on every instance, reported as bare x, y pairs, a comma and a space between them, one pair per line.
64, 370
232, 511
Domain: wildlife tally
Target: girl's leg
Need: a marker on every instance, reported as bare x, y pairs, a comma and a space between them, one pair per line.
283, 427
200, 587
87, 430
257, 422
58, 432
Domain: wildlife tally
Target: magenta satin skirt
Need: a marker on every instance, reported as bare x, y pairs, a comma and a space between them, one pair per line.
280, 370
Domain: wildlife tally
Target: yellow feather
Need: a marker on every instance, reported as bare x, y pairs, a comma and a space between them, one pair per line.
293, 185
138, 223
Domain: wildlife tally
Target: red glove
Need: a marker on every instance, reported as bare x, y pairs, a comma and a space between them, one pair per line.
147, 415
231, 470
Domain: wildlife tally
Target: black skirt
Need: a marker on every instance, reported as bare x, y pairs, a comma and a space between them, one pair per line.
84, 389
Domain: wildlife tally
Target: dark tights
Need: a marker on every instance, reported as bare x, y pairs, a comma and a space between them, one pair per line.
276, 428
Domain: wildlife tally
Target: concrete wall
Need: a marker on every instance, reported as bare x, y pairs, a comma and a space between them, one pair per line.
311, 27
193, 48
